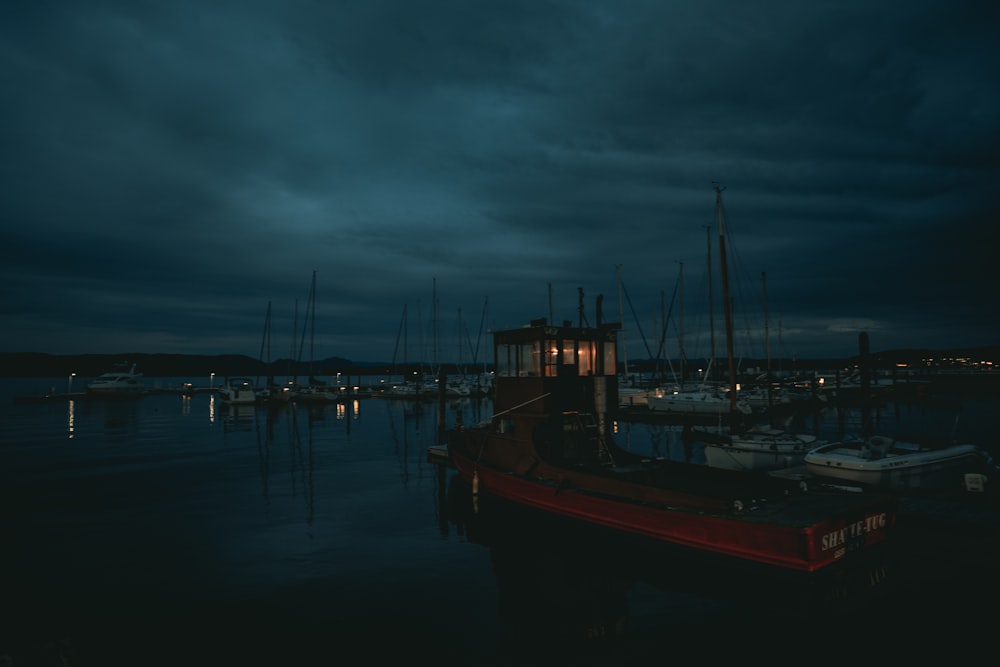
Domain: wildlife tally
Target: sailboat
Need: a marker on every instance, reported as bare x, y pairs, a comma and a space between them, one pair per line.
417, 386
707, 399
316, 391
243, 390
759, 446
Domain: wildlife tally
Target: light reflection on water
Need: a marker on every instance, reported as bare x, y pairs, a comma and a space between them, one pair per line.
326, 522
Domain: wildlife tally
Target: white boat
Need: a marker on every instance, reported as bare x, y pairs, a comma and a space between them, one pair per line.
881, 461
697, 402
760, 399
421, 389
635, 396
238, 391
760, 447
709, 400
122, 381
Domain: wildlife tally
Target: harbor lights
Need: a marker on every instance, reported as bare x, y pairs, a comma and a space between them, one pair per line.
69, 383
211, 381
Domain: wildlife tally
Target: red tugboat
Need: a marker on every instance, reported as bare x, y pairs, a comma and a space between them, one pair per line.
550, 446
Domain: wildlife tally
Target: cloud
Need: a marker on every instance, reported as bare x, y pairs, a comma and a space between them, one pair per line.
172, 169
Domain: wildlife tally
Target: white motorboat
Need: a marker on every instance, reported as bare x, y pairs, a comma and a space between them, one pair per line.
881, 461
122, 381
238, 391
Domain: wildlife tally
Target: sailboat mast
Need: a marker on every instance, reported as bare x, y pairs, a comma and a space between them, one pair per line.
434, 327
621, 318
312, 328
680, 335
265, 341
767, 334
711, 305
461, 367
725, 298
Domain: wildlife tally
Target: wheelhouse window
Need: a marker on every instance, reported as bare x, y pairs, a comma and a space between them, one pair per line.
547, 357
610, 359
551, 358
585, 355
519, 359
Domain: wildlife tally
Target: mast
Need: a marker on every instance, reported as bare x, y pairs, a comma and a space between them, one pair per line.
294, 358
309, 321
265, 341
621, 318
711, 307
434, 328
461, 368
312, 329
767, 335
725, 298
680, 335
551, 316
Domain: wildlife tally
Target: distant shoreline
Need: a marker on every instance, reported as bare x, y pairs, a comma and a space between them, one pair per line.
963, 363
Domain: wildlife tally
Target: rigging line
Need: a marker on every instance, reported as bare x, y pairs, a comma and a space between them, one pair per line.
666, 322
521, 405
482, 325
638, 324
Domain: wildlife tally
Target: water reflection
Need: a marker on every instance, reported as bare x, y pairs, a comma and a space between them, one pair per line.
298, 450
573, 593
660, 440
70, 418
238, 417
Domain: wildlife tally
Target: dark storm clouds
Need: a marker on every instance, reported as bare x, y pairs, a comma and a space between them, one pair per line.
170, 168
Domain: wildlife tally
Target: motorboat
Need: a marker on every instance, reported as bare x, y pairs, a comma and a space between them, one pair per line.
122, 381
238, 391
898, 464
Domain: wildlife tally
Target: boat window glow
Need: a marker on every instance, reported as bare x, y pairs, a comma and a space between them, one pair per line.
530, 362
569, 352
551, 358
610, 360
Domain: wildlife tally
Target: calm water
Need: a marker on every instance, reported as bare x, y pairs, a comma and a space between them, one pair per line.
171, 530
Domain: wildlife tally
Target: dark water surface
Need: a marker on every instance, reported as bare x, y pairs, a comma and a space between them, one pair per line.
171, 530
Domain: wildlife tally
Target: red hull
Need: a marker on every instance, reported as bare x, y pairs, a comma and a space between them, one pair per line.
550, 446
805, 536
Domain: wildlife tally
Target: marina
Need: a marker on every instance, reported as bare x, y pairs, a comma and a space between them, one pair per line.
179, 530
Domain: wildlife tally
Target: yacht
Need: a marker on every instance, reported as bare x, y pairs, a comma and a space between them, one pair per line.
123, 380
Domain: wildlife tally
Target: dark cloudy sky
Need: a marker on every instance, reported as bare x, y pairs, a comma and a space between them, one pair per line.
170, 168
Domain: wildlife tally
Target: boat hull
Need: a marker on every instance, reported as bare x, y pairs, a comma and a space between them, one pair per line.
695, 403
899, 469
761, 448
805, 534
122, 383
739, 457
